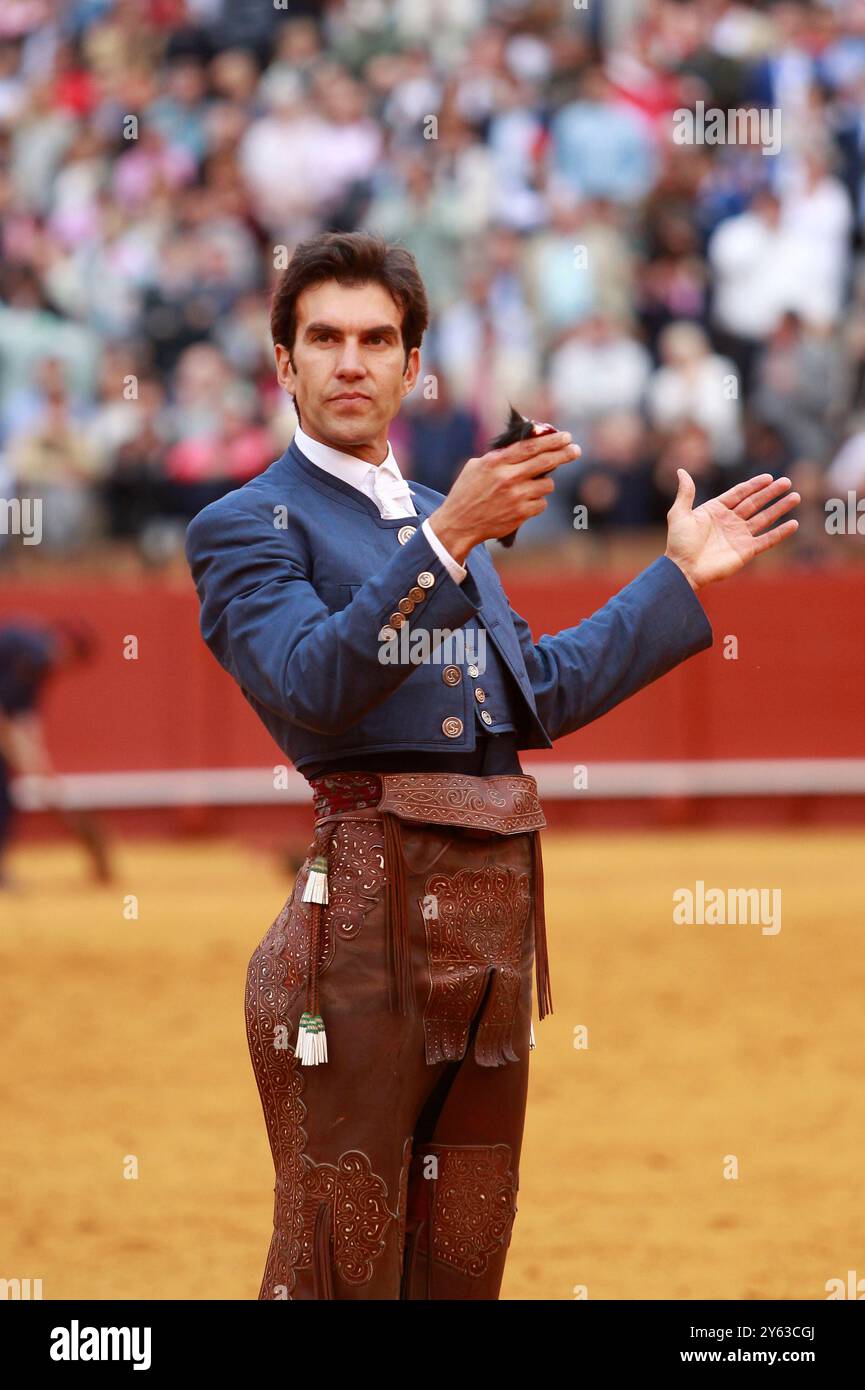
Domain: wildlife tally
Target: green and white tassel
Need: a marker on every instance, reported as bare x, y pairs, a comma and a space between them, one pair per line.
311, 1047
315, 888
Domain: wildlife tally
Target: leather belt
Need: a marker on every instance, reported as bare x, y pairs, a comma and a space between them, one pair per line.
507, 805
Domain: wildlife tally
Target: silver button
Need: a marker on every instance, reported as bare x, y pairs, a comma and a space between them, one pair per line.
480, 695
486, 716
405, 533
387, 634
473, 671
453, 727
425, 579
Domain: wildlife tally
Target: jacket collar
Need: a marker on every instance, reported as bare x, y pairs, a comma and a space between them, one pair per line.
326, 482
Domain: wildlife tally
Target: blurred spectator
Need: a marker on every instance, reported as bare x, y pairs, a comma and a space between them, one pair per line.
52, 461
846, 472
580, 263
699, 304
442, 436
133, 488
757, 267
486, 342
797, 381
600, 147
689, 447
600, 367
411, 209
616, 484
276, 156
31, 657
696, 384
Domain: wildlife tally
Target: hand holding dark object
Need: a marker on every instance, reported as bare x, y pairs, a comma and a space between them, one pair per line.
518, 427
494, 494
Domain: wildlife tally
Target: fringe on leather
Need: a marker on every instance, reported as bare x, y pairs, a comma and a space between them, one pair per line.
322, 1261
409, 1259
433, 1198
542, 965
397, 916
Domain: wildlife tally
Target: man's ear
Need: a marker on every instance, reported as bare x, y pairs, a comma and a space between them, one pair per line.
284, 368
412, 368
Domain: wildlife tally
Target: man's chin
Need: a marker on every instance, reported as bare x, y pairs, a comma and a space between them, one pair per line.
348, 426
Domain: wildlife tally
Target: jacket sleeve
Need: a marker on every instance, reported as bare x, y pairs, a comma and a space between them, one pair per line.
265, 623
650, 626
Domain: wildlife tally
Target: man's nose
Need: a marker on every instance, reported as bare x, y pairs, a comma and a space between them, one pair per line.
350, 362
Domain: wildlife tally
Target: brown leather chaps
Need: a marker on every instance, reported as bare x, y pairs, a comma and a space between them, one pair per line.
397, 1158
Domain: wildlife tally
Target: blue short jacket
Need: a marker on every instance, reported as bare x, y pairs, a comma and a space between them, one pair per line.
297, 574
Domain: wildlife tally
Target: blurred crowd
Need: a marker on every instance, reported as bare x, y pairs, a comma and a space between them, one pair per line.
673, 302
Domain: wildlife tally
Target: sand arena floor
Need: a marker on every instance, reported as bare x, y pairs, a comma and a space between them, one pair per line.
127, 1038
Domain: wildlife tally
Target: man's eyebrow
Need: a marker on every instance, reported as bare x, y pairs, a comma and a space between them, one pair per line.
385, 330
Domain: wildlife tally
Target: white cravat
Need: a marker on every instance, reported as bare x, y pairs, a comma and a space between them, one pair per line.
384, 485
390, 489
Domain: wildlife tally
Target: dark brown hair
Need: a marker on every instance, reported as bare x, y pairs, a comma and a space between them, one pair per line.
350, 258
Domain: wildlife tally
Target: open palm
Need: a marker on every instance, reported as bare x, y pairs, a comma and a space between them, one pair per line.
722, 535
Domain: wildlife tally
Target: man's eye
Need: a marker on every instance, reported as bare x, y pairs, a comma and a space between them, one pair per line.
320, 336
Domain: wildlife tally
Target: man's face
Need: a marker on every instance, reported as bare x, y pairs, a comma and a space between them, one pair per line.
349, 374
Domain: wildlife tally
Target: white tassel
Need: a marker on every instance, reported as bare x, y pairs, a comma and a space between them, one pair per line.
315, 888
532, 1043
311, 1047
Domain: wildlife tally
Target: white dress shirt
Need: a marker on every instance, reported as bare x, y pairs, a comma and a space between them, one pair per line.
383, 484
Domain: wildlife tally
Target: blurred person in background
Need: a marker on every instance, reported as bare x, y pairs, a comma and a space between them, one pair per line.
756, 265
409, 206
133, 483
693, 383
203, 466
599, 145
671, 283
52, 462
485, 340
580, 262
798, 382
31, 656
441, 434
599, 367
278, 136
846, 472
615, 484
686, 446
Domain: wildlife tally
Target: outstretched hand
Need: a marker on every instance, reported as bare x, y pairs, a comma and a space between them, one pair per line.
721, 536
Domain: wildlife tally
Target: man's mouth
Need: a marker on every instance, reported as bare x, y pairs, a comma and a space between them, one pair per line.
349, 396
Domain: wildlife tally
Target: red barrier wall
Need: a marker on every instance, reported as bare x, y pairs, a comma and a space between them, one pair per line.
797, 688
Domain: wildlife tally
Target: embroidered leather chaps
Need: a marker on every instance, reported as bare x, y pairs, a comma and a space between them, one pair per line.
397, 1161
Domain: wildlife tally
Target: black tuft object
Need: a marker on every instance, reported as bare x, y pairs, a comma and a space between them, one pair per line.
518, 427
